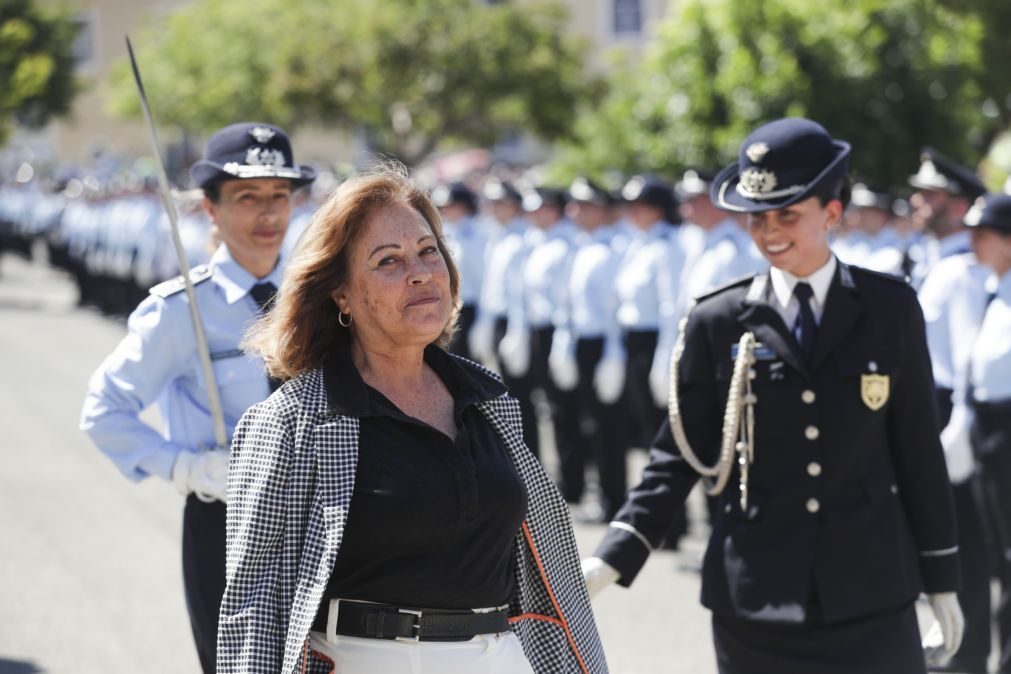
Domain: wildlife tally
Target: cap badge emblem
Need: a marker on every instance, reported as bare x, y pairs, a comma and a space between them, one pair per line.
756, 181
757, 151
262, 134
261, 156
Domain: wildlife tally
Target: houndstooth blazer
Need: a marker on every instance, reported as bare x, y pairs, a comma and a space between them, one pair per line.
290, 482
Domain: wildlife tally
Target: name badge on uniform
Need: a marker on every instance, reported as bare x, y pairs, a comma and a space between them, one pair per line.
874, 390
761, 352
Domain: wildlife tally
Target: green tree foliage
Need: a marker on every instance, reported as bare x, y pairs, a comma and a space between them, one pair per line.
36, 64
412, 74
995, 48
888, 75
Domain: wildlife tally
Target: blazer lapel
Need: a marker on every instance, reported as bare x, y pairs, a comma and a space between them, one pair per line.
842, 309
760, 317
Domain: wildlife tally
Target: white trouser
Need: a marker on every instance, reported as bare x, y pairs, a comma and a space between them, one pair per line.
484, 654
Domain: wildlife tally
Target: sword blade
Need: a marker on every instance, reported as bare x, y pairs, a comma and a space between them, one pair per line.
203, 352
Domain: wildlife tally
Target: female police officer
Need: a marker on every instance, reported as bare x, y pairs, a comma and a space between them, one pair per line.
247, 175
837, 510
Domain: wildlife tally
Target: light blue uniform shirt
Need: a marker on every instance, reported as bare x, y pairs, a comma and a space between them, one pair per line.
953, 297
593, 297
991, 355
545, 272
506, 255
928, 251
649, 271
467, 240
157, 362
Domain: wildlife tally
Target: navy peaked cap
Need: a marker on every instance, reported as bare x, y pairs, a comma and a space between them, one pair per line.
454, 193
992, 211
585, 190
498, 190
937, 172
694, 183
863, 196
780, 163
249, 150
543, 196
649, 190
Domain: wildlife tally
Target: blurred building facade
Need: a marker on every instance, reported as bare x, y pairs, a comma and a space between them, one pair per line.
91, 134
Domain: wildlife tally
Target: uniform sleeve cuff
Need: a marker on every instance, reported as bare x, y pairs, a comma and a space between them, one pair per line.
159, 463
624, 549
940, 570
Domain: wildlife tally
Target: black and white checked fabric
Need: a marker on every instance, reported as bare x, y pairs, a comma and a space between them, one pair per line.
289, 486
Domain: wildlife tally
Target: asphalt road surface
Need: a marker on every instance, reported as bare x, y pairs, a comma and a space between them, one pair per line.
90, 575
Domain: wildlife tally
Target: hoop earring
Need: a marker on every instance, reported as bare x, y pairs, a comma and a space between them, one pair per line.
340, 319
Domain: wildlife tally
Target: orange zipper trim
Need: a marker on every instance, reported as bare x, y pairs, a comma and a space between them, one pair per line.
551, 595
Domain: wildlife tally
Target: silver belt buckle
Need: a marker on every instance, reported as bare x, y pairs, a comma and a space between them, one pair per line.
416, 637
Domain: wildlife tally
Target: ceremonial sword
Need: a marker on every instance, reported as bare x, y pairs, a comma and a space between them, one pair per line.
203, 351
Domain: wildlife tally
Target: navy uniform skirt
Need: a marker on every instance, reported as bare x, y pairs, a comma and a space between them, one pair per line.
884, 643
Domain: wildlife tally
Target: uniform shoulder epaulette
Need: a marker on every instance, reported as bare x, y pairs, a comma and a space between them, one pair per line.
894, 278
736, 283
198, 274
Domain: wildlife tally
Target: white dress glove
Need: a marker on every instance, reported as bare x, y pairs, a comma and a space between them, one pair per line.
515, 352
480, 339
957, 448
202, 473
564, 371
609, 379
659, 384
949, 622
598, 574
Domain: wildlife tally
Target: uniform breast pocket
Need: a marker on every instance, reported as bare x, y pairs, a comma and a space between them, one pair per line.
241, 380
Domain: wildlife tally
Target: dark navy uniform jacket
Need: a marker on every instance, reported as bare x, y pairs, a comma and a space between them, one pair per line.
850, 510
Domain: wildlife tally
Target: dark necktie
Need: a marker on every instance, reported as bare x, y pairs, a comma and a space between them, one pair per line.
804, 328
263, 294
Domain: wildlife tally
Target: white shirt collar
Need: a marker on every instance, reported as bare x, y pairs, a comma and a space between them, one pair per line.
783, 283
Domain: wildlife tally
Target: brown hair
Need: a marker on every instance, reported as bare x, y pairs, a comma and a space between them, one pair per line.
302, 328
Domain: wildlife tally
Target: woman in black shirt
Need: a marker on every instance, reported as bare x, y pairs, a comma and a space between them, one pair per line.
384, 514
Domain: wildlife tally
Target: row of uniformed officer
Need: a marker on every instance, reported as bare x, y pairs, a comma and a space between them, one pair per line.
535, 297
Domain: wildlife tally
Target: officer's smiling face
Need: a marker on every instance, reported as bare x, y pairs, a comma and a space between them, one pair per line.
795, 238
252, 216
398, 287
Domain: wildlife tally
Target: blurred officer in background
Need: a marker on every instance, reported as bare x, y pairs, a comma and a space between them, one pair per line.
588, 354
954, 300
988, 399
944, 192
543, 306
647, 287
467, 238
871, 241
502, 294
837, 511
247, 176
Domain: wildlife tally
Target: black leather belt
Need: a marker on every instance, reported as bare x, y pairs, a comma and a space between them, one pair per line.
382, 621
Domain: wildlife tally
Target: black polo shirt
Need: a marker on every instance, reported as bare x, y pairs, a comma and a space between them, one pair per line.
432, 521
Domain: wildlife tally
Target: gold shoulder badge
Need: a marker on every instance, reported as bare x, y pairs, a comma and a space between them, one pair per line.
874, 390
